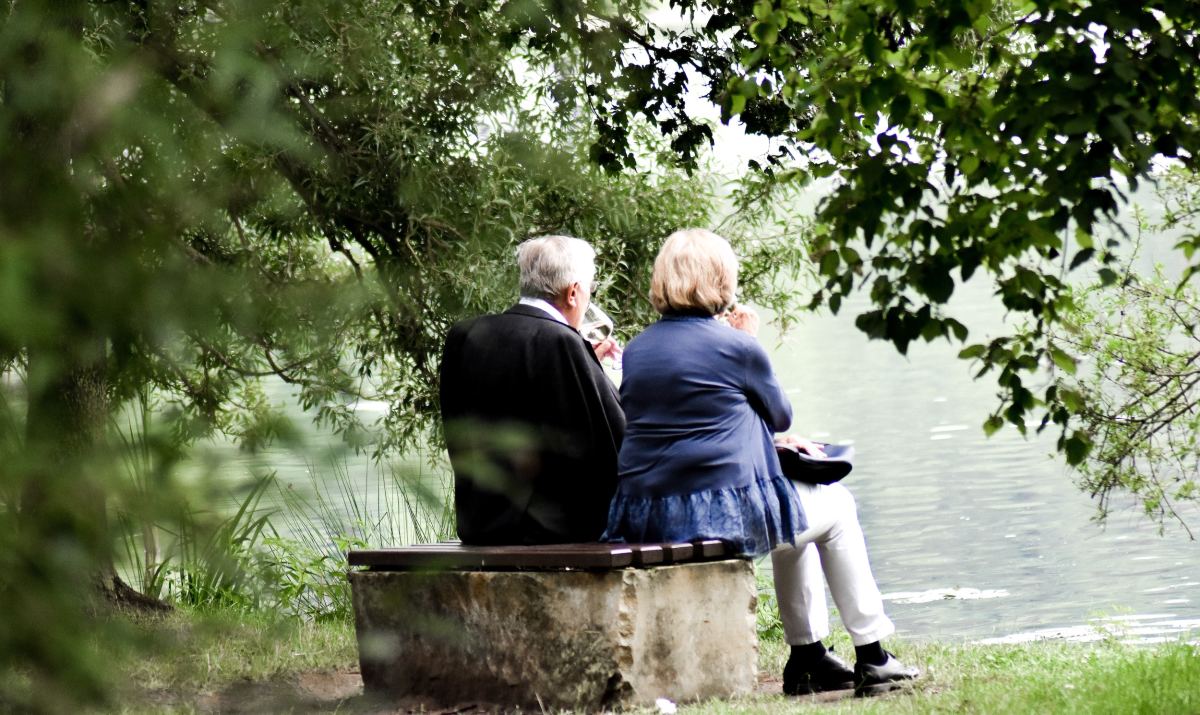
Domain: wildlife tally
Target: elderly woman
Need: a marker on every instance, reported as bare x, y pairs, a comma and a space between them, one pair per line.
698, 462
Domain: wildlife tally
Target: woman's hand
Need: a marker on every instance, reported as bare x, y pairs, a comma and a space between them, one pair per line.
743, 318
808, 447
607, 347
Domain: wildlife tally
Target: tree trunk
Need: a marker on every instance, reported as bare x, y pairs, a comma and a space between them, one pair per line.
64, 499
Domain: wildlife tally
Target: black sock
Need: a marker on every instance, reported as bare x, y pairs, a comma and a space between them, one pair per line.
807, 653
870, 654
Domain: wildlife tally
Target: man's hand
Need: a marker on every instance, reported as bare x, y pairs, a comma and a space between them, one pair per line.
804, 445
743, 318
608, 347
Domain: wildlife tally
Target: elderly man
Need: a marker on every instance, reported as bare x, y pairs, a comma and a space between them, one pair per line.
532, 423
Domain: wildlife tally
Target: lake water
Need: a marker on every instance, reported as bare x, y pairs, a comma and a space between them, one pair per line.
977, 538
972, 537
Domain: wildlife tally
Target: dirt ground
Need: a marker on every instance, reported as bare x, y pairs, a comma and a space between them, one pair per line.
342, 691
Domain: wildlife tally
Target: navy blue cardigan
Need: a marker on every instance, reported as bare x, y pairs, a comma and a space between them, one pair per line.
701, 403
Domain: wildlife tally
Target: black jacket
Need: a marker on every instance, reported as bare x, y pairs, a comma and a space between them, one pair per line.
533, 427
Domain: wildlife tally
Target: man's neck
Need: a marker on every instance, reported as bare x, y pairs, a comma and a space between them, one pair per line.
545, 306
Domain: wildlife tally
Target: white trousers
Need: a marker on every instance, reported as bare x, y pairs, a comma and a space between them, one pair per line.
831, 549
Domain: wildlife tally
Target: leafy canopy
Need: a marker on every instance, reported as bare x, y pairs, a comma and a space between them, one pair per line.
954, 140
202, 195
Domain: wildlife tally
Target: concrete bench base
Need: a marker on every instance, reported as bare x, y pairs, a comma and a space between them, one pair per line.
559, 639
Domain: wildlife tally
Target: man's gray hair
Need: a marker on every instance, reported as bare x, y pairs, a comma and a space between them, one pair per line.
550, 264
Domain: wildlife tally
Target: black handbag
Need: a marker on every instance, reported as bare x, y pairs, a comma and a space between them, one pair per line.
803, 467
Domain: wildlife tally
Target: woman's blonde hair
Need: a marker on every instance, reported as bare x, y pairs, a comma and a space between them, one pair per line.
696, 270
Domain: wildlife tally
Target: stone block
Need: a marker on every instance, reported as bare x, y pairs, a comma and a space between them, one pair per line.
559, 639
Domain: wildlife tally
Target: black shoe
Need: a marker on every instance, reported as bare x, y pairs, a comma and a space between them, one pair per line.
875, 679
828, 673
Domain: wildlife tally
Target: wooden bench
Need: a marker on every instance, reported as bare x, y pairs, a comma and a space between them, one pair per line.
581, 626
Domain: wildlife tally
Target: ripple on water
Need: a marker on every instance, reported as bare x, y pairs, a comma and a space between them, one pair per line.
1171, 587
944, 594
1134, 629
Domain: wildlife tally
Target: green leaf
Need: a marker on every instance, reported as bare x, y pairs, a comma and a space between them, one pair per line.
829, 263
898, 111
1082, 257
1122, 129
1077, 447
1188, 246
1065, 362
993, 425
1071, 399
960, 331
957, 57
936, 283
972, 352
1187, 275
764, 32
871, 47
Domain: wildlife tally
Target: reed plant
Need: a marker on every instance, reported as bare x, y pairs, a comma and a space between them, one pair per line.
202, 559
767, 620
139, 538
318, 521
167, 548
282, 547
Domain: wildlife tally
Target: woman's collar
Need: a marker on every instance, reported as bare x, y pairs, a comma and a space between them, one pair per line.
692, 313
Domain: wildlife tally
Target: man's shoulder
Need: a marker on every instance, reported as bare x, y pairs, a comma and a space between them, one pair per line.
519, 323
465, 324
517, 317
535, 318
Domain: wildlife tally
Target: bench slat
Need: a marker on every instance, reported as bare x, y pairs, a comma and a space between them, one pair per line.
709, 549
678, 553
647, 555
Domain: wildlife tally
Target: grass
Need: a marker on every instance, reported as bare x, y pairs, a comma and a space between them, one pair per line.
203, 653
1047, 677
190, 653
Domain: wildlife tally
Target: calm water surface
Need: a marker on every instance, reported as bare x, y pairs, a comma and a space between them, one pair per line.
974, 537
